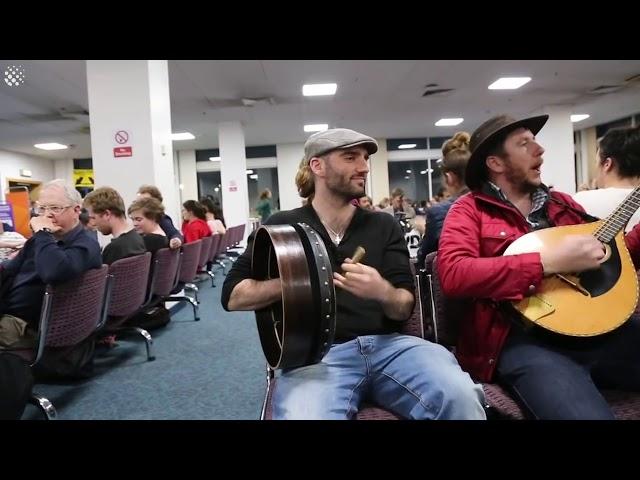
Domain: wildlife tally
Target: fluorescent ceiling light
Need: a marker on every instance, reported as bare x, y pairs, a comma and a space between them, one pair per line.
449, 122
315, 89
50, 146
407, 145
579, 117
214, 159
249, 172
182, 136
509, 83
318, 127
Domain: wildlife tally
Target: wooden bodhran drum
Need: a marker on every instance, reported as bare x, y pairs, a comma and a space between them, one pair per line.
300, 328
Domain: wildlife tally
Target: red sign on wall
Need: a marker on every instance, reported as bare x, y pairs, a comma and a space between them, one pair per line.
122, 152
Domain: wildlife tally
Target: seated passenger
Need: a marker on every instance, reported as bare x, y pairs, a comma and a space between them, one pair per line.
618, 174
106, 210
455, 154
174, 236
146, 215
555, 376
195, 225
59, 250
215, 225
369, 360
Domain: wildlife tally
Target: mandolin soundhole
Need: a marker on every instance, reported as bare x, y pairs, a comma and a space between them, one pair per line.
600, 281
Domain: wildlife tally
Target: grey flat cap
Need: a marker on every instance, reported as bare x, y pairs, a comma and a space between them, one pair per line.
323, 142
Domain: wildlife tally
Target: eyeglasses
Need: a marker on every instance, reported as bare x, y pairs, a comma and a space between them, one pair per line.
55, 209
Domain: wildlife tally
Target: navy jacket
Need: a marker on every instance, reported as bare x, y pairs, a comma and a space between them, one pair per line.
44, 260
166, 224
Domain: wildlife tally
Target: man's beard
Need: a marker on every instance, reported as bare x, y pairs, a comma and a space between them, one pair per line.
342, 187
519, 180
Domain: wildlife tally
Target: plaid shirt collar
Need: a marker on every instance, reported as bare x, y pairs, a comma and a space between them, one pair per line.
538, 201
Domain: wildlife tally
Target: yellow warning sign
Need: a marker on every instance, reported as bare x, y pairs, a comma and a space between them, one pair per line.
83, 177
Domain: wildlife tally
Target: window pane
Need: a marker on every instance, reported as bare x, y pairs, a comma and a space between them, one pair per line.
409, 176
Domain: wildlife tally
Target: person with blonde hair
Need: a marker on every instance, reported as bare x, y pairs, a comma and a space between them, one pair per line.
369, 360
146, 215
174, 236
264, 205
455, 155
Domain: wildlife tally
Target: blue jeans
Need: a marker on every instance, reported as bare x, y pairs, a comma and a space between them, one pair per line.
407, 375
558, 378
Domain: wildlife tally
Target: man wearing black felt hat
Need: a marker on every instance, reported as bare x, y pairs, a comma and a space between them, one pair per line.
554, 376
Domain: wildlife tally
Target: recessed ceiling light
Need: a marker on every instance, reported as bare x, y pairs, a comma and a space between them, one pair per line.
579, 117
254, 176
319, 127
408, 171
407, 145
182, 136
509, 83
249, 172
423, 172
214, 159
319, 89
449, 122
50, 146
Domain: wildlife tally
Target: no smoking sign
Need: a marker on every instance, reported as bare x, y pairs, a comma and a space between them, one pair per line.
122, 137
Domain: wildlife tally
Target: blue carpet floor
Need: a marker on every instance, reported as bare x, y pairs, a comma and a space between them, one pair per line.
211, 369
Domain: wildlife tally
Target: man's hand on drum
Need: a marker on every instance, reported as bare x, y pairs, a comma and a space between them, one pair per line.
362, 281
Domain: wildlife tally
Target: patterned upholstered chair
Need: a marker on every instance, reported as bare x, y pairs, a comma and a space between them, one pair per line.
213, 251
127, 292
413, 326
189, 258
441, 314
71, 312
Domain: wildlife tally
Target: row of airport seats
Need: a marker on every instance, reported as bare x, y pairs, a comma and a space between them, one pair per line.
102, 301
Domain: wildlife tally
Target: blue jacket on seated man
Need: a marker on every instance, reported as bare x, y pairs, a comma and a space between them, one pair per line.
59, 250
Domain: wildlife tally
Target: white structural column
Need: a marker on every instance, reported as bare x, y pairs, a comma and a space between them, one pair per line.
557, 139
131, 128
233, 173
187, 174
63, 168
289, 157
378, 182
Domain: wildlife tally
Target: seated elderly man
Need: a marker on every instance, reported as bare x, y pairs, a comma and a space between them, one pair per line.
59, 250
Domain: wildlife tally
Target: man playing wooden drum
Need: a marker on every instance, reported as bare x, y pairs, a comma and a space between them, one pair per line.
369, 360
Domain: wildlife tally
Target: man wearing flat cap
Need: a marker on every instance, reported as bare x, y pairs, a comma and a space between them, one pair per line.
369, 360
553, 376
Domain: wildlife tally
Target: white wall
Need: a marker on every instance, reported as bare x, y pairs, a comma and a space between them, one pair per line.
289, 156
557, 139
42, 169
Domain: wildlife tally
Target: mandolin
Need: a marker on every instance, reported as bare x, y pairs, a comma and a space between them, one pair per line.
592, 302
